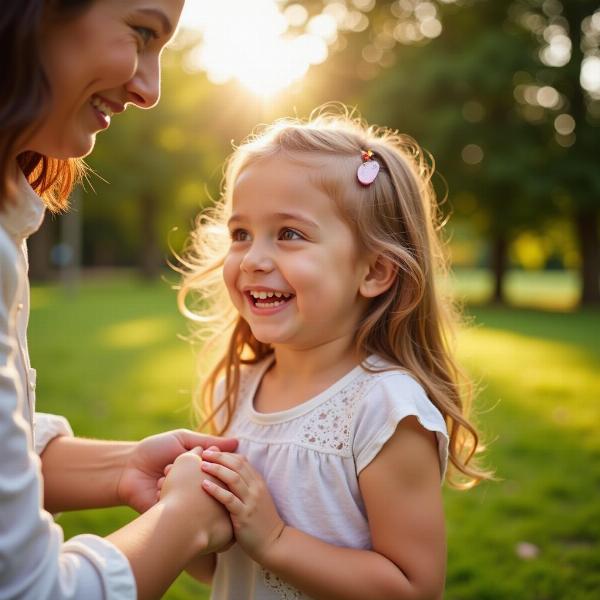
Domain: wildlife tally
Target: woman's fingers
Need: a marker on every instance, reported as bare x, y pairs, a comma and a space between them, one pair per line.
190, 439
230, 501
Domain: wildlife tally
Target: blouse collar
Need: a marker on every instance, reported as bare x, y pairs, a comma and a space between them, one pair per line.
22, 215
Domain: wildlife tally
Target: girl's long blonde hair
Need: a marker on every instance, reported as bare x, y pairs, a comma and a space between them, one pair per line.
410, 324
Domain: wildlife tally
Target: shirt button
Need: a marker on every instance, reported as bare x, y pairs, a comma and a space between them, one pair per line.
20, 306
32, 386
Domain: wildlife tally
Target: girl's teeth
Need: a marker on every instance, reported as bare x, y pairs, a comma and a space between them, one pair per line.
268, 304
263, 295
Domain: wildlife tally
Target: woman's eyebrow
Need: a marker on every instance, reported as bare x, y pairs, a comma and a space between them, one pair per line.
158, 14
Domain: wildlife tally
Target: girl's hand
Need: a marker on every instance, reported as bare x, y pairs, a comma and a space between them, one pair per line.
256, 522
182, 486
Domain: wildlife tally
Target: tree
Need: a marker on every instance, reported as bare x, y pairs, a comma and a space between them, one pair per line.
525, 74
456, 97
568, 34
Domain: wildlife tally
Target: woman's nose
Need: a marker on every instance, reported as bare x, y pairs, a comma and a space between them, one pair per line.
256, 259
143, 88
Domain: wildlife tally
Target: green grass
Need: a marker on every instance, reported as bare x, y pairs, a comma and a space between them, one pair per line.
111, 361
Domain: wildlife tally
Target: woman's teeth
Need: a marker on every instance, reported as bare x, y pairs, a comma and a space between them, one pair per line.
98, 104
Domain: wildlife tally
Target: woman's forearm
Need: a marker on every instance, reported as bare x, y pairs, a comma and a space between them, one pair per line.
159, 544
184, 523
322, 570
202, 567
81, 473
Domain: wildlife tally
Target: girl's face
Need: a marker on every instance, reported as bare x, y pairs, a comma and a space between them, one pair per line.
97, 63
293, 270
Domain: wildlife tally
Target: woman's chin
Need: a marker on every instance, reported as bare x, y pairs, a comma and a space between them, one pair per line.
77, 148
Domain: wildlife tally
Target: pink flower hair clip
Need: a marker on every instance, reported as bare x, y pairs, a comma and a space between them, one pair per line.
368, 170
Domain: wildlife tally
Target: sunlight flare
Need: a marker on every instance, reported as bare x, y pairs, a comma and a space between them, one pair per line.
251, 42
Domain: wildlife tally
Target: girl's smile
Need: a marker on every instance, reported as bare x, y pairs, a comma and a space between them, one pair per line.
268, 302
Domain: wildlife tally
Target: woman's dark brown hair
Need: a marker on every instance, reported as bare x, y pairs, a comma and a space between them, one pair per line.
25, 96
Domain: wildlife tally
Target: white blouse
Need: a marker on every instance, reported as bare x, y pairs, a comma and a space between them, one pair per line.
35, 563
311, 456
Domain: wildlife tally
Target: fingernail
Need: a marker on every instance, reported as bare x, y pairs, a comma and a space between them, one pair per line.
210, 452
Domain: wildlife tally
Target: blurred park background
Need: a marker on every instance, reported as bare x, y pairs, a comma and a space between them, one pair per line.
505, 94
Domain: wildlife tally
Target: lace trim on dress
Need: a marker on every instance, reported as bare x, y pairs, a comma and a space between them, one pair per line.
284, 590
329, 426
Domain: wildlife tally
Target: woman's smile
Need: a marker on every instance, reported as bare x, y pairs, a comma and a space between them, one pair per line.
105, 109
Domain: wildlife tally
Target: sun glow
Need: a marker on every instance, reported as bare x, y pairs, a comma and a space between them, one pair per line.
251, 42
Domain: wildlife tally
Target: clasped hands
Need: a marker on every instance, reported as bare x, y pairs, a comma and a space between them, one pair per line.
232, 481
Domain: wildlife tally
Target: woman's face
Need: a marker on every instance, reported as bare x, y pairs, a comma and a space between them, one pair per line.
97, 63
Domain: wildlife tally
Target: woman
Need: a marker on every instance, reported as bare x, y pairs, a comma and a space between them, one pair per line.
69, 66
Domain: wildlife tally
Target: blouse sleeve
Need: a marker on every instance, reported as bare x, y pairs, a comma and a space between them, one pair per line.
35, 564
47, 427
393, 397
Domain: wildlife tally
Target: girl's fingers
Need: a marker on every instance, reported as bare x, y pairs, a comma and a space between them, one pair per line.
160, 482
167, 469
230, 478
231, 502
234, 462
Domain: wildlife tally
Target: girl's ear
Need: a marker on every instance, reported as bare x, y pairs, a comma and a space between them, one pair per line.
379, 278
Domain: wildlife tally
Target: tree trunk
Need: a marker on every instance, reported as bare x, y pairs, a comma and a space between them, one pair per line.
498, 265
586, 223
150, 261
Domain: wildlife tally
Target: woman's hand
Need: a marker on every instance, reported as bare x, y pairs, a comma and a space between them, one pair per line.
148, 459
256, 522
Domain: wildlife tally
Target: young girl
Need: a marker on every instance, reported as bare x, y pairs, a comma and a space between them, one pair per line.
338, 380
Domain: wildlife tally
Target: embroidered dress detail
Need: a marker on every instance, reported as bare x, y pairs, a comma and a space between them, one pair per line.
328, 429
284, 590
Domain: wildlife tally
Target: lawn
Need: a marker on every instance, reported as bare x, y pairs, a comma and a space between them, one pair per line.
110, 359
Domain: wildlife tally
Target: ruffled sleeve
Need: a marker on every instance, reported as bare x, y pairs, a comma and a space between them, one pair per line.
393, 397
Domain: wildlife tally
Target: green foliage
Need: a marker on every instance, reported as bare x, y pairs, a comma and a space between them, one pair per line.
111, 361
456, 97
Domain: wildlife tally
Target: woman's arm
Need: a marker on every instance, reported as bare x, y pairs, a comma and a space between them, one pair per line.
402, 495
80, 473
182, 524
202, 567
35, 561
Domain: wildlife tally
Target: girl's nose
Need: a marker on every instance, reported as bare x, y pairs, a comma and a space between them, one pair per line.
256, 259
143, 89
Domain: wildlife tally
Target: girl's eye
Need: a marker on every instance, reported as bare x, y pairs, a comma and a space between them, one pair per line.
288, 235
239, 235
146, 35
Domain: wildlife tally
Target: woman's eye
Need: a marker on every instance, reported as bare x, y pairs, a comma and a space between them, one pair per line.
239, 235
288, 235
146, 35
